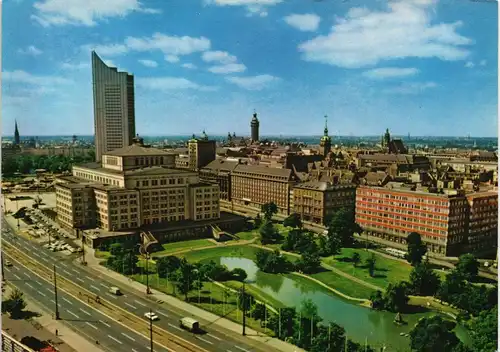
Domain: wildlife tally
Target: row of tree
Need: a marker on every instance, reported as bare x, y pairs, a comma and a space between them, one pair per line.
25, 164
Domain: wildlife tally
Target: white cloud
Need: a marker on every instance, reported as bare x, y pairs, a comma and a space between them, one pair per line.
149, 63
31, 50
84, 12
254, 7
411, 88
171, 83
170, 45
27, 78
189, 65
363, 38
306, 23
222, 57
390, 72
228, 68
106, 49
78, 66
253, 83
172, 58
469, 64
482, 63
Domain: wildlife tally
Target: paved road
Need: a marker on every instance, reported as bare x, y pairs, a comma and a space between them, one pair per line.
216, 339
87, 321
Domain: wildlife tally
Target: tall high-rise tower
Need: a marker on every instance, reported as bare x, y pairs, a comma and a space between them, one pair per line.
17, 138
254, 127
114, 107
325, 144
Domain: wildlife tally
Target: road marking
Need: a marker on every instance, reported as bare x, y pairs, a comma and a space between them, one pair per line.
38, 282
63, 265
164, 314
128, 337
130, 305
79, 279
175, 327
53, 301
202, 339
43, 294
142, 304
17, 277
95, 327
229, 351
95, 288
103, 285
67, 300
134, 350
27, 275
112, 338
45, 259
105, 323
76, 271
241, 348
85, 312
110, 295
36, 254
73, 314
49, 289
30, 286
67, 272
214, 337
88, 277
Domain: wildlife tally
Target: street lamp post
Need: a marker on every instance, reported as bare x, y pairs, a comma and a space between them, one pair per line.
55, 294
148, 291
244, 310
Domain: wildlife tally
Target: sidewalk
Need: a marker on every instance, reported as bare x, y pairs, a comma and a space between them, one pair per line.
43, 328
190, 310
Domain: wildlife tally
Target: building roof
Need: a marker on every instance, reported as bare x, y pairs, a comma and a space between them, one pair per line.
137, 150
263, 170
150, 170
222, 165
324, 186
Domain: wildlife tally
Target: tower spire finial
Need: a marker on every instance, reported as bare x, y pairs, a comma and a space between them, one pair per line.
326, 125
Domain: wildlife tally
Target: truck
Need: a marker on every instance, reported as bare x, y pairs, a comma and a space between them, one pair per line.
115, 290
189, 324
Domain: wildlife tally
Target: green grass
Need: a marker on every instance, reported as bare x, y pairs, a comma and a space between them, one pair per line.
248, 235
339, 283
226, 251
211, 298
172, 247
102, 254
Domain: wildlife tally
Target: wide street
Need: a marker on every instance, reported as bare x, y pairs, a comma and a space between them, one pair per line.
96, 326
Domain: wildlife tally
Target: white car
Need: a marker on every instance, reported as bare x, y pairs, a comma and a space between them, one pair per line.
151, 316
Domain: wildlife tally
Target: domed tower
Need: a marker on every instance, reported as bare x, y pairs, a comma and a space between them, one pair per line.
325, 144
254, 126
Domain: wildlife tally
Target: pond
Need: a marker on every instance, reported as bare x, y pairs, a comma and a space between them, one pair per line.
359, 322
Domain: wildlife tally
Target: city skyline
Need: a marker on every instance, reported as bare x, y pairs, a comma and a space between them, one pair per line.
292, 62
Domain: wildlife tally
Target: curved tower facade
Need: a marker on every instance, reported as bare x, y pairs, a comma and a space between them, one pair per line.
254, 127
114, 108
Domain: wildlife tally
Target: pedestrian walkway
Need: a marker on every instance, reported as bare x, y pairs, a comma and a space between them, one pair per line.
190, 310
44, 328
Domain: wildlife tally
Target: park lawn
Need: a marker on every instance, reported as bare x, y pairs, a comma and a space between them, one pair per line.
226, 251
256, 293
248, 235
172, 247
102, 254
339, 283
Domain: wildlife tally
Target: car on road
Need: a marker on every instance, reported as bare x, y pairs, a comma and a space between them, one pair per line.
8, 263
151, 316
116, 291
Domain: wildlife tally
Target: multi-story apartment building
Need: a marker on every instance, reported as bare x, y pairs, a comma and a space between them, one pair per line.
134, 187
483, 221
114, 109
255, 185
201, 152
219, 172
317, 201
391, 213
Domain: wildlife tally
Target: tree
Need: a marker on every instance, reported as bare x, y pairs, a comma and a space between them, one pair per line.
423, 280
370, 264
283, 323
186, 278
377, 300
416, 249
307, 321
343, 224
116, 249
468, 266
356, 258
396, 297
268, 233
299, 241
293, 220
484, 331
15, 304
245, 301
258, 221
433, 334
259, 311
269, 209
309, 262
166, 266
272, 262
239, 274
452, 287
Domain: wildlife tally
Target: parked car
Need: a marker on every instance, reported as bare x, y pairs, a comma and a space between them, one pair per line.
151, 316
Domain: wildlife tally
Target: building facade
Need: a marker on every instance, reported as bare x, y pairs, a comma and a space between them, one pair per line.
254, 128
318, 201
254, 185
201, 151
114, 109
219, 172
483, 221
134, 187
442, 220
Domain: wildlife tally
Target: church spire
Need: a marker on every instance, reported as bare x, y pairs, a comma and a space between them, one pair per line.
17, 139
326, 126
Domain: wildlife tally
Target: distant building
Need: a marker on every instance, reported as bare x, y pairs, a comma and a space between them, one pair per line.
317, 201
393, 146
114, 107
325, 144
254, 126
201, 151
219, 172
17, 138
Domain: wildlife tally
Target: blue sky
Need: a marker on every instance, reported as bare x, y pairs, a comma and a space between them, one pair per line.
420, 66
